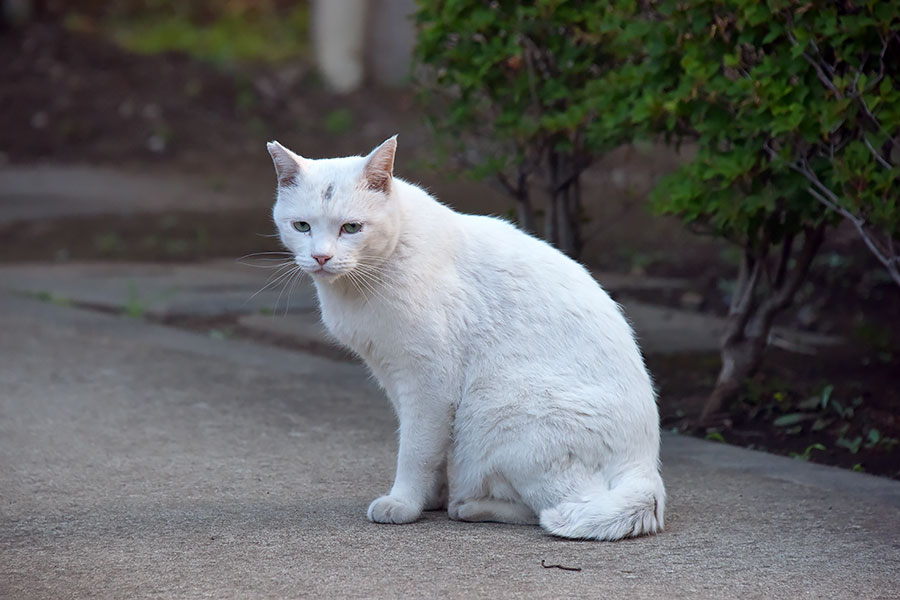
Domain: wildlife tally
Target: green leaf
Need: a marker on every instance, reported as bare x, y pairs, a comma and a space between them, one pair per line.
826, 395
873, 437
851, 445
805, 455
820, 424
810, 403
715, 436
790, 419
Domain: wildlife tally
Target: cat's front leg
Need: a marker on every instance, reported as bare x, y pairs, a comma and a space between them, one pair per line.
437, 497
420, 482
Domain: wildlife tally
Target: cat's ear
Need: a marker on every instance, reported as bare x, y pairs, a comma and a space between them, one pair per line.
288, 166
379, 169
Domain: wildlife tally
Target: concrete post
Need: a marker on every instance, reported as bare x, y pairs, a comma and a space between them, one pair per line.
355, 40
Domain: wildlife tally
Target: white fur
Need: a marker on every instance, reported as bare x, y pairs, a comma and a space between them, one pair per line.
511, 371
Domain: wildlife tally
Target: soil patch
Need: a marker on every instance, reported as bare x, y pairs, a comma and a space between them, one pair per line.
837, 408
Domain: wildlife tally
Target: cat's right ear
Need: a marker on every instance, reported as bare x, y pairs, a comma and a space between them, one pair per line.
288, 166
379, 169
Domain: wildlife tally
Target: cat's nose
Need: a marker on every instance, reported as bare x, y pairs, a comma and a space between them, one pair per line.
322, 258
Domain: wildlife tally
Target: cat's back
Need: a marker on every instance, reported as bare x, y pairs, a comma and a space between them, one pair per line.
507, 259
525, 293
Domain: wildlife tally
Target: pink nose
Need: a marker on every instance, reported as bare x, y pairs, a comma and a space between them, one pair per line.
322, 258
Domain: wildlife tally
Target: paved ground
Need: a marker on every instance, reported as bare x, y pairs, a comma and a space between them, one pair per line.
141, 460
138, 460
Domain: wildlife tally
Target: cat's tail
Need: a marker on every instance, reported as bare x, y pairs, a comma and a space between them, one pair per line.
634, 506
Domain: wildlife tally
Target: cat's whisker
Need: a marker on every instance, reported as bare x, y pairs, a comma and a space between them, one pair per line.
370, 277
297, 277
353, 280
275, 266
267, 259
376, 274
369, 281
253, 259
370, 284
278, 272
375, 262
285, 282
364, 261
274, 278
272, 253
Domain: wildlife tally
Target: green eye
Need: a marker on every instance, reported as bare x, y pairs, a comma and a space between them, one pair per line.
351, 227
301, 226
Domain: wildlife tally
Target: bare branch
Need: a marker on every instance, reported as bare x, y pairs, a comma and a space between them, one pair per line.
744, 299
524, 207
888, 258
859, 74
885, 41
818, 190
786, 246
530, 66
504, 181
572, 177
822, 76
875, 153
811, 241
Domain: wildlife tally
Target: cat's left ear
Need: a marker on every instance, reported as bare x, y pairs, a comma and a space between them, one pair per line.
379, 169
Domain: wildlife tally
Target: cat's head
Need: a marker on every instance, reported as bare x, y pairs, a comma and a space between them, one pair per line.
336, 215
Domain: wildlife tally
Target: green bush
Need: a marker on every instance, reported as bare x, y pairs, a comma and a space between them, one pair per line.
786, 101
794, 108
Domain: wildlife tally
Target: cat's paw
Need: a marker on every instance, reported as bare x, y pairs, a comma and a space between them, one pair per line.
489, 509
391, 509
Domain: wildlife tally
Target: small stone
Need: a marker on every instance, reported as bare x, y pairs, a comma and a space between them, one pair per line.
151, 111
692, 300
156, 144
56, 71
40, 120
126, 109
807, 316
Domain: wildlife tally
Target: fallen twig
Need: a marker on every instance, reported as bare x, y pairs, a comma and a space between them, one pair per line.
561, 567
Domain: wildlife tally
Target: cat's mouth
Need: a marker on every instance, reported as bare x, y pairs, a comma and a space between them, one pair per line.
324, 273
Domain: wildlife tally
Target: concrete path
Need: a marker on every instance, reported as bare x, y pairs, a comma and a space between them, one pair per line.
138, 460
50, 191
161, 290
228, 288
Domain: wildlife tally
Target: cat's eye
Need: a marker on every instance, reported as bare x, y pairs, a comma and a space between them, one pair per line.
351, 227
301, 226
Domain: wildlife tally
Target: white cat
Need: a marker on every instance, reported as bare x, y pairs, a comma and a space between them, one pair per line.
519, 387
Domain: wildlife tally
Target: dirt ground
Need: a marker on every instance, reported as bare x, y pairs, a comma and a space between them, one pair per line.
69, 97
